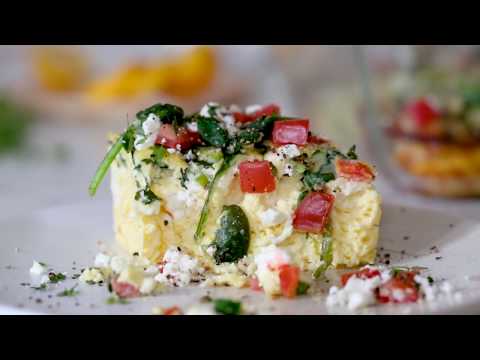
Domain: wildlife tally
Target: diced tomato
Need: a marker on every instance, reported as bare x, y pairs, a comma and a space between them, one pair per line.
184, 138
354, 170
267, 110
290, 132
312, 213
255, 284
366, 273
402, 288
174, 310
312, 139
289, 278
422, 112
124, 289
256, 177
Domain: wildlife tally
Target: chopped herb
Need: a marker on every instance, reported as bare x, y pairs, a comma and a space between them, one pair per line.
184, 178
327, 254
146, 196
156, 158
302, 288
352, 154
116, 300
75, 276
56, 277
68, 292
227, 307
430, 280
41, 287
167, 113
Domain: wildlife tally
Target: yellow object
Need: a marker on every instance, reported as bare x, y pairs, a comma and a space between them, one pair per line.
151, 231
59, 69
185, 75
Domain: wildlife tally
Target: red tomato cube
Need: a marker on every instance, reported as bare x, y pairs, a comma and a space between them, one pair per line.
354, 170
183, 138
313, 212
290, 132
422, 112
289, 278
256, 177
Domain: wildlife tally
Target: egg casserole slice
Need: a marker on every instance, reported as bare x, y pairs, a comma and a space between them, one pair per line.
250, 197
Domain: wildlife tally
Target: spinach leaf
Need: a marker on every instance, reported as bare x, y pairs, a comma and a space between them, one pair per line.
227, 307
227, 163
211, 132
167, 113
233, 236
302, 288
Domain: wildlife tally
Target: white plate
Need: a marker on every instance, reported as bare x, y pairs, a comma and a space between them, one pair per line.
66, 238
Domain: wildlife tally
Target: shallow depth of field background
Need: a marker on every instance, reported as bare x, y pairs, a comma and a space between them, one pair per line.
58, 104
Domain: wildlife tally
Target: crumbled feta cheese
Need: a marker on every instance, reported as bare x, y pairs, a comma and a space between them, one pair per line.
288, 170
102, 260
37, 268
189, 155
342, 187
356, 293
147, 209
252, 109
150, 127
118, 264
179, 269
171, 151
230, 125
151, 270
91, 275
192, 126
271, 257
205, 111
201, 309
272, 217
290, 151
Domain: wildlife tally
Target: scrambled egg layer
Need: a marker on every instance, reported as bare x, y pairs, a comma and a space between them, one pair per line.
151, 229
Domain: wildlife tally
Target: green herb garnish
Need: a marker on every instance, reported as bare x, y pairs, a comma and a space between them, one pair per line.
227, 307
167, 113
430, 280
56, 277
68, 292
14, 122
41, 287
116, 300
146, 196
302, 288
327, 254
211, 132
184, 178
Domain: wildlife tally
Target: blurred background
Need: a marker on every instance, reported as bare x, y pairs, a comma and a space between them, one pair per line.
414, 111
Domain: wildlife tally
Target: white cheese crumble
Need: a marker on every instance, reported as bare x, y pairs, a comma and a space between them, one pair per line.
356, 293
271, 258
342, 187
272, 217
147, 209
192, 126
150, 127
102, 260
118, 264
290, 151
287, 170
92, 275
249, 110
201, 309
37, 268
224, 114
179, 269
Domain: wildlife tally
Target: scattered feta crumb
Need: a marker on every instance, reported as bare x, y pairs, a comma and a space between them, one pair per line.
171, 151
272, 217
150, 127
102, 260
356, 293
37, 268
179, 269
342, 187
201, 309
92, 275
252, 109
192, 126
118, 264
